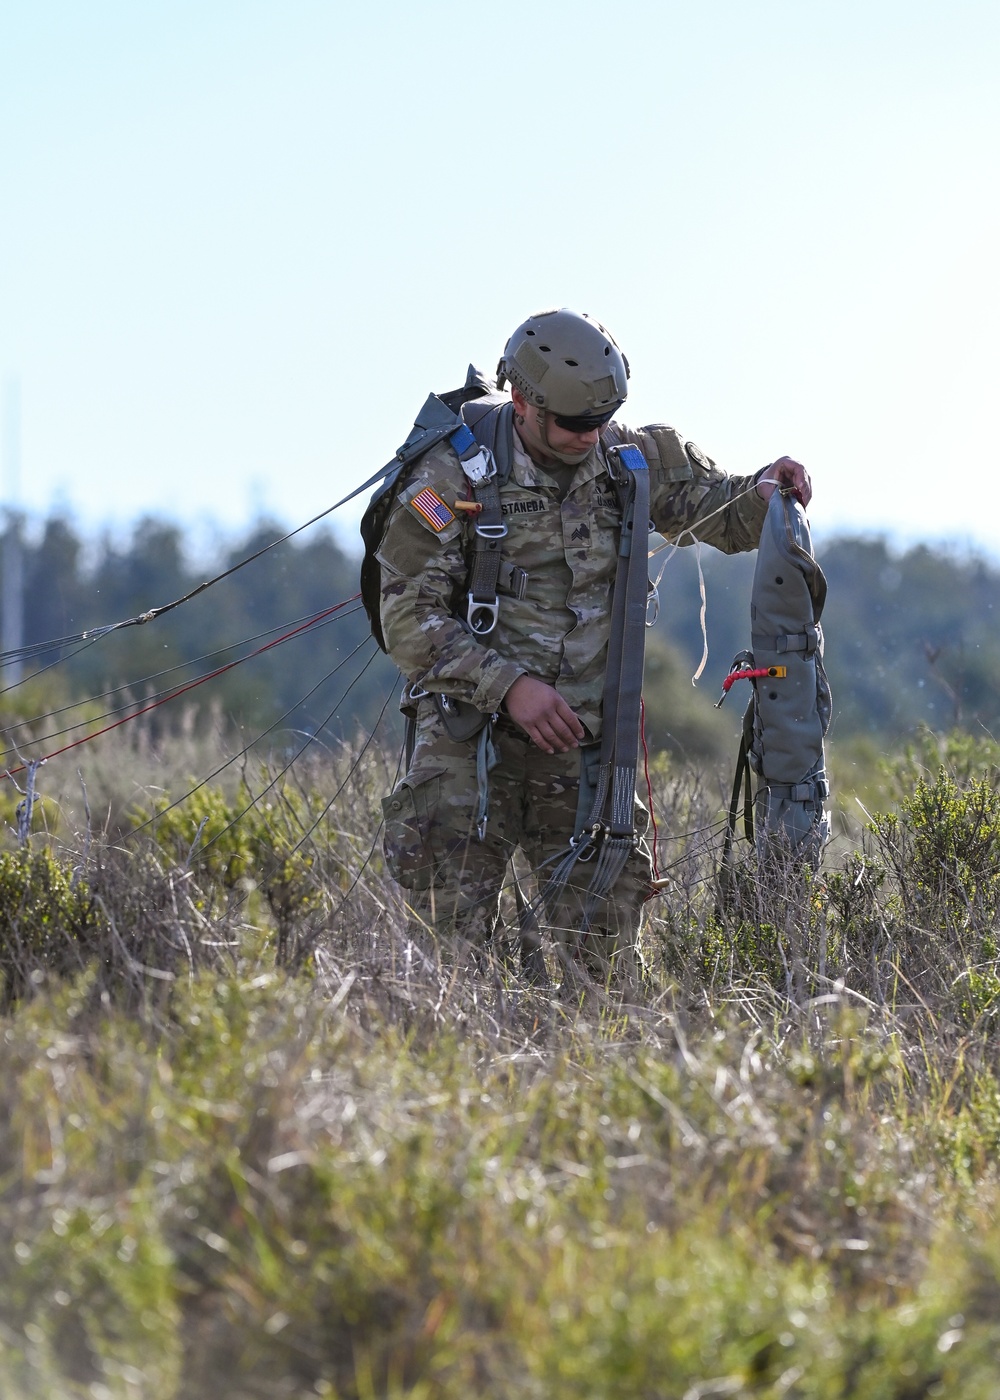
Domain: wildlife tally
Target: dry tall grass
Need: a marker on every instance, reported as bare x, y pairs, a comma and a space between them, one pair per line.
260, 1143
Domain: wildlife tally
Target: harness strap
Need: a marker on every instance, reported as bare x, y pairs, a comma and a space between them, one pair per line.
590, 763
484, 569
742, 780
626, 652
608, 829
480, 467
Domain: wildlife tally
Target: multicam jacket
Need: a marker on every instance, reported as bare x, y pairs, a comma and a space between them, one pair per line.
567, 544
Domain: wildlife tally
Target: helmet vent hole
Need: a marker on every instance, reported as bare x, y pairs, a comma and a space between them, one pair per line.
607, 349
574, 363
529, 332
546, 348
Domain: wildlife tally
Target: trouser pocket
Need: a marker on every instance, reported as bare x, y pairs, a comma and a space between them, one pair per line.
408, 813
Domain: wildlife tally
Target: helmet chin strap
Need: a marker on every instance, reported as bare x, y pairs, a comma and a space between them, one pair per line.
566, 459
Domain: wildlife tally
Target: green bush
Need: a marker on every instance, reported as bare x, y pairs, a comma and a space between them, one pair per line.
247, 845
50, 922
944, 849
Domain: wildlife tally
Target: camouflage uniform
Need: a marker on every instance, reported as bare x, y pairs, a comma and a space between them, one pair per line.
566, 539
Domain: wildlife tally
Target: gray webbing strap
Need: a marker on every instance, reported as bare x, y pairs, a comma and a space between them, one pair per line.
626, 650
609, 828
484, 569
479, 463
741, 781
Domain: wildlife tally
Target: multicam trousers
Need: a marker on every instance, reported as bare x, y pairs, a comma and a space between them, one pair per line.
454, 881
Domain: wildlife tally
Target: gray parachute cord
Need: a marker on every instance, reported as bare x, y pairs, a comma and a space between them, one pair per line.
611, 861
550, 891
153, 613
94, 634
234, 758
156, 695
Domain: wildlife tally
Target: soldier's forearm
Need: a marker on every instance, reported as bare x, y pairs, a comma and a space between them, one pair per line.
430, 646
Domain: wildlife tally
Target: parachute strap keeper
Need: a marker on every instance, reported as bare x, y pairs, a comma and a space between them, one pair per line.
807, 642
817, 789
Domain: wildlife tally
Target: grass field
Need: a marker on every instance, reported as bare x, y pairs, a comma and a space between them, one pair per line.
258, 1144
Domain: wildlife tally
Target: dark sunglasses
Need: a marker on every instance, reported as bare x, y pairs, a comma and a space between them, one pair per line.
586, 421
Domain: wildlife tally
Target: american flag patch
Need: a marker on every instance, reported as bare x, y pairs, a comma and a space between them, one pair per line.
430, 505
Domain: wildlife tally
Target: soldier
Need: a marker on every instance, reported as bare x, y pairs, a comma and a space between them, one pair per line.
541, 669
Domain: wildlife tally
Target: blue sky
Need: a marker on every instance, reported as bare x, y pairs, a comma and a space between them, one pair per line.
239, 242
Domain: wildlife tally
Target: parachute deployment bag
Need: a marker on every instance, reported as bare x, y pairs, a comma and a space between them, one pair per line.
789, 711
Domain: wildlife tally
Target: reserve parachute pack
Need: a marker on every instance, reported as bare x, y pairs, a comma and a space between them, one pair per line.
788, 715
477, 419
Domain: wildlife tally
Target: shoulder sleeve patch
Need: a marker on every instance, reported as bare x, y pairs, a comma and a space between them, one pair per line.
697, 456
431, 509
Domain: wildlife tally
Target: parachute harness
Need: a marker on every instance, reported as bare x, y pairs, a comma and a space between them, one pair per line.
605, 827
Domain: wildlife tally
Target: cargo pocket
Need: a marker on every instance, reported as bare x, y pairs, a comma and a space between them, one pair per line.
408, 814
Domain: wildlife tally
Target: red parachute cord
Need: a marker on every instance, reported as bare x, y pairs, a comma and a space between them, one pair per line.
183, 689
649, 785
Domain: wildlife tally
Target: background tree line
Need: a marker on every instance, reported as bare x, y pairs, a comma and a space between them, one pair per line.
911, 637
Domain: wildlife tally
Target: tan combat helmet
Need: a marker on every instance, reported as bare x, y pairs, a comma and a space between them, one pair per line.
567, 364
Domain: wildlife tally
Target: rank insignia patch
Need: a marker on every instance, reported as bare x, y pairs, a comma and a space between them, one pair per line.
429, 504
695, 453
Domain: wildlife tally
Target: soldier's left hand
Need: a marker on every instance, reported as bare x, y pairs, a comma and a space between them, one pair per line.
786, 472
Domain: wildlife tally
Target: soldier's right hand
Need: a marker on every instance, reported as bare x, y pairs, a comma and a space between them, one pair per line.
543, 714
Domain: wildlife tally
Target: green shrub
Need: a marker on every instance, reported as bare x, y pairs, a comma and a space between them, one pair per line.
248, 844
50, 922
944, 849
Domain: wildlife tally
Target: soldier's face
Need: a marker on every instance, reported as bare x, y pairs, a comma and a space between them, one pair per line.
544, 438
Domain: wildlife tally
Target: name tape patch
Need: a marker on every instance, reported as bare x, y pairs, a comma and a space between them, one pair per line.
529, 507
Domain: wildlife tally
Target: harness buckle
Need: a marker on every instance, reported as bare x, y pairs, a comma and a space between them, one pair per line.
617, 469
491, 532
482, 617
415, 691
585, 844
480, 467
